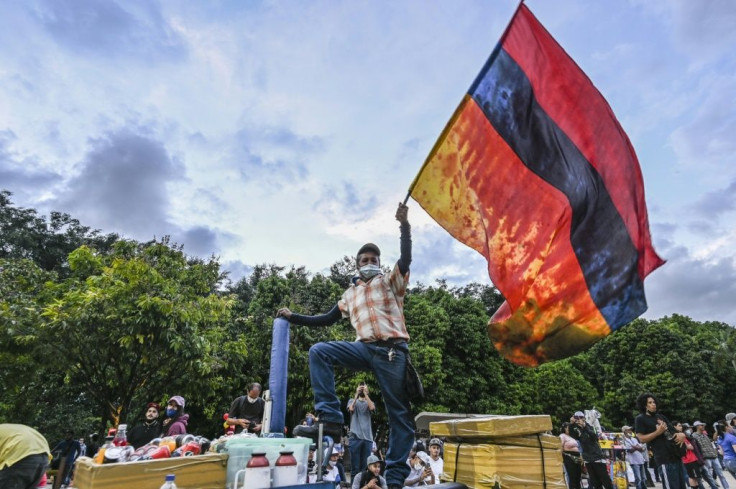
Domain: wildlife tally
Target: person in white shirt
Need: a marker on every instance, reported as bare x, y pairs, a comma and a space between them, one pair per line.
435, 460
635, 456
333, 473
421, 473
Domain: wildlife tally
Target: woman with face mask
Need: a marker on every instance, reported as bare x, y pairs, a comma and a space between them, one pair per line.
175, 422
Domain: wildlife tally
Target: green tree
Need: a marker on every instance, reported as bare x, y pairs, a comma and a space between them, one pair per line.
560, 390
138, 324
47, 242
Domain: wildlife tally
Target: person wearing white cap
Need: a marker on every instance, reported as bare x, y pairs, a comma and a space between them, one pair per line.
634, 456
595, 461
710, 456
333, 473
421, 473
371, 477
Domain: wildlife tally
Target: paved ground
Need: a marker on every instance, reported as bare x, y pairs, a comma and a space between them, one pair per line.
729, 478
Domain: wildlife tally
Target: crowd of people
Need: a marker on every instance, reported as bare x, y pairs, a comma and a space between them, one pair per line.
356, 449
677, 454
25, 455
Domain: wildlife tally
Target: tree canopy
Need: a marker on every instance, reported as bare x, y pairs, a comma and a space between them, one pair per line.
93, 327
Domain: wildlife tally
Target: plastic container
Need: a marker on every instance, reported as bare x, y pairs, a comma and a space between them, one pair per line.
285, 472
239, 450
121, 437
169, 484
100, 455
162, 451
257, 472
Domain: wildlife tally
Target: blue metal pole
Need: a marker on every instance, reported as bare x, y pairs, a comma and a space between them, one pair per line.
278, 375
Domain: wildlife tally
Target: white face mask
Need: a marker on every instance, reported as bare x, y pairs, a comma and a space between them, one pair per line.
369, 271
418, 466
333, 463
252, 399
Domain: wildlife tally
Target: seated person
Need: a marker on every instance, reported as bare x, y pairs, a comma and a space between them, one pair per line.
371, 477
333, 473
421, 472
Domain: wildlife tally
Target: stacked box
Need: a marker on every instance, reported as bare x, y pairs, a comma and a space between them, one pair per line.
491, 426
198, 472
501, 452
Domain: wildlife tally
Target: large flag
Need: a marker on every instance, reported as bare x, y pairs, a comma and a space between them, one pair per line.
534, 172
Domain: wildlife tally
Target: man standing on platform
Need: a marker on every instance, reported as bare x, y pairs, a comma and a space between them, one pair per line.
374, 302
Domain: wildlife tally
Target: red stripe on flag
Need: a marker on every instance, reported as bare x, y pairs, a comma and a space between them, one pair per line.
570, 99
471, 186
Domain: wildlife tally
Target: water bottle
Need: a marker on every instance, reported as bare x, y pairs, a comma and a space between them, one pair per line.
169, 484
257, 472
285, 472
121, 438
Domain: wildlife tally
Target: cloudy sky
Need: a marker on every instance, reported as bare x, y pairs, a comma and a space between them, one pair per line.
286, 132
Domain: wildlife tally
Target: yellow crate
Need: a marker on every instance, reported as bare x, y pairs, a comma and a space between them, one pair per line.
198, 472
491, 426
483, 465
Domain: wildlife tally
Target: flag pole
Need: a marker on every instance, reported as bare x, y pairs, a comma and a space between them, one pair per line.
449, 124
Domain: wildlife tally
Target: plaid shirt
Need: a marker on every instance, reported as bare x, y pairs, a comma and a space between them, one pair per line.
376, 308
706, 446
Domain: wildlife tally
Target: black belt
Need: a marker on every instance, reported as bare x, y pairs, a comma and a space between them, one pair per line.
391, 343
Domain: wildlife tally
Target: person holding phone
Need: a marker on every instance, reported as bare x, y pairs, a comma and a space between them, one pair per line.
421, 473
360, 407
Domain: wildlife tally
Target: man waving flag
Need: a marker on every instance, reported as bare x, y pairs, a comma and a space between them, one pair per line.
534, 172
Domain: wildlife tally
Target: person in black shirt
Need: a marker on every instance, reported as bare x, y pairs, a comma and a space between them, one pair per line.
593, 456
143, 433
246, 412
658, 433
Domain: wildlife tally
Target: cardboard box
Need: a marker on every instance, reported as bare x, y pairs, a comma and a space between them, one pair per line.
483, 465
491, 426
548, 442
199, 472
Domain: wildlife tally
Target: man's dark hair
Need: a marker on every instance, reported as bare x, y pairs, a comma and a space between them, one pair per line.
253, 385
641, 401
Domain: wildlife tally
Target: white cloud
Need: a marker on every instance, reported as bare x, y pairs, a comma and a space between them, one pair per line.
285, 133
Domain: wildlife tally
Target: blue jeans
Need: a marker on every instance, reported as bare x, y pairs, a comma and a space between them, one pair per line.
640, 478
730, 464
323, 357
360, 450
714, 464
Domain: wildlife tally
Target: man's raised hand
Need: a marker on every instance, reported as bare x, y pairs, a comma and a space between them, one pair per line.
402, 213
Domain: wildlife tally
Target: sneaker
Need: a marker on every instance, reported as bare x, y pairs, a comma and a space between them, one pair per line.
329, 429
